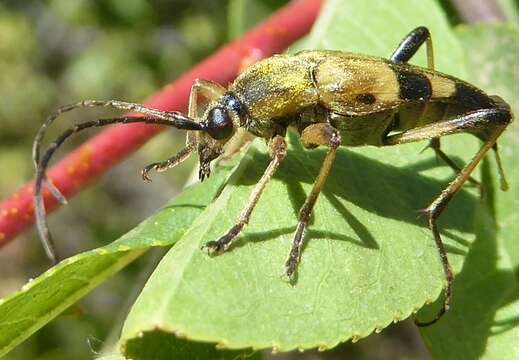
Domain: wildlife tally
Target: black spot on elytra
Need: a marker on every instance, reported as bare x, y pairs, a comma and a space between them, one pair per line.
367, 98
413, 86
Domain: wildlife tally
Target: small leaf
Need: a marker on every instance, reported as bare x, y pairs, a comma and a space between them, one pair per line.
45, 297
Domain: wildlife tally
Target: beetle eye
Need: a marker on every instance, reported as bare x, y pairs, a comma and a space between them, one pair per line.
219, 124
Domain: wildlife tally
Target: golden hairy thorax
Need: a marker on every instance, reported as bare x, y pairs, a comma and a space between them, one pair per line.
276, 87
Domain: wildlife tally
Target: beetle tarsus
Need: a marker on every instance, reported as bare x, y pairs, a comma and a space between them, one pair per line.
434, 212
295, 252
213, 247
145, 171
223, 244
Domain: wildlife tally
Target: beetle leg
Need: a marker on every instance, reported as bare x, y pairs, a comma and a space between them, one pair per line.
435, 145
208, 89
313, 136
122, 105
410, 45
491, 122
277, 152
169, 163
211, 91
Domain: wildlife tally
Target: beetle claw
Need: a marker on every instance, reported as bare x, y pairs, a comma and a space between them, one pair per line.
214, 247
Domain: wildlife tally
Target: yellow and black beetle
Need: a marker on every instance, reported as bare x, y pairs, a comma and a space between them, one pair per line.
331, 98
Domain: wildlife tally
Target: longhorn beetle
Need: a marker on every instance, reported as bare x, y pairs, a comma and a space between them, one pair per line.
331, 98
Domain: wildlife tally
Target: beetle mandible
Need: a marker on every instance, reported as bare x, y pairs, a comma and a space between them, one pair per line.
331, 98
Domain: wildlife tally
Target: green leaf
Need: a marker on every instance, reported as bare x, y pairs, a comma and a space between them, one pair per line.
483, 322
45, 297
369, 259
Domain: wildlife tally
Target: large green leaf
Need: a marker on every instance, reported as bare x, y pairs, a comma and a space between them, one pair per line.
369, 259
43, 298
484, 320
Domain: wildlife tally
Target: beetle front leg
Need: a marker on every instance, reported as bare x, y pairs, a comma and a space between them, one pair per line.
277, 152
167, 164
210, 91
313, 136
492, 122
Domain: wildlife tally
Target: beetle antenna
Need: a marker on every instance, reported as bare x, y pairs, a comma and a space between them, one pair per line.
183, 121
173, 119
115, 104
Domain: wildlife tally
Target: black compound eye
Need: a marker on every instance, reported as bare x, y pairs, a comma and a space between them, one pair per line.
219, 124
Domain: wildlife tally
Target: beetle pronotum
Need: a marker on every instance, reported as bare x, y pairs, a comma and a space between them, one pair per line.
331, 98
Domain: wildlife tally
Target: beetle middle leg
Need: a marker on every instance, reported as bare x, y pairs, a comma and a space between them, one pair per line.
313, 136
277, 152
488, 124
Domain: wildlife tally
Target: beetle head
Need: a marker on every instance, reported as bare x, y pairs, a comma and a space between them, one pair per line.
218, 128
221, 120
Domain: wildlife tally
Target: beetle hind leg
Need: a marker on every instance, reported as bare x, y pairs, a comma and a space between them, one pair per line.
410, 45
487, 124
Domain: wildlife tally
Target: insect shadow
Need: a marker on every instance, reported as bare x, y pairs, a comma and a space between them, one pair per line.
388, 191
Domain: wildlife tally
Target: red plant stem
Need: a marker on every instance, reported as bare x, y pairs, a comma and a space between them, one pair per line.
92, 159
